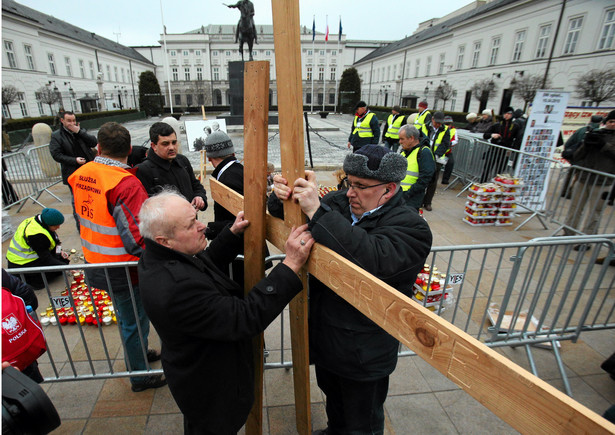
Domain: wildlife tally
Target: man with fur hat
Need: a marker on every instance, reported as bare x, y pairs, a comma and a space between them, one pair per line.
472, 119
36, 244
164, 166
365, 128
370, 224
390, 132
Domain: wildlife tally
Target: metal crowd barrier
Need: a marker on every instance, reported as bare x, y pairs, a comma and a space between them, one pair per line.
512, 294
27, 175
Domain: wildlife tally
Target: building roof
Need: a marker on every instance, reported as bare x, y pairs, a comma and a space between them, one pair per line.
438, 29
62, 28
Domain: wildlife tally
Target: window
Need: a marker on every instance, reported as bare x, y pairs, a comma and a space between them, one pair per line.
331, 98
173, 53
322, 52
178, 99
117, 77
29, 56
388, 73
428, 66
333, 74
189, 100
441, 64
69, 68
460, 53
309, 73
572, 37
309, 52
82, 68
92, 70
321, 73
308, 100
197, 52
10, 54
185, 53
333, 52
187, 74
216, 73
123, 76
108, 73
22, 104
227, 52
543, 41
199, 73
5, 111
52, 63
495, 49
41, 110
174, 74
518, 47
267, 52
476, 54
416, 67
214, 53
608, 31
407, 70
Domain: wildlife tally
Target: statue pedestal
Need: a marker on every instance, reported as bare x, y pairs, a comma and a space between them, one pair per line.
235, 72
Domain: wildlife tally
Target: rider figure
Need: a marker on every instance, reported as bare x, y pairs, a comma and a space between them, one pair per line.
247, 13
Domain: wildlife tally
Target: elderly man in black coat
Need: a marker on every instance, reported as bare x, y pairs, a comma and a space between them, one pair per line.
204, 322
164, 166
370, 224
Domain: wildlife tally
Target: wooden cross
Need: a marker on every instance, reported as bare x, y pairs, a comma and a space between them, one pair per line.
524, 401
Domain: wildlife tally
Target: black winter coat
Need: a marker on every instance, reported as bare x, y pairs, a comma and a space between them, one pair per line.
156, 172
233, 178
206, 326
65, 147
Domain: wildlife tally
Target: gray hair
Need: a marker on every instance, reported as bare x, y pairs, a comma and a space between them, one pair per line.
153, 219
410, 131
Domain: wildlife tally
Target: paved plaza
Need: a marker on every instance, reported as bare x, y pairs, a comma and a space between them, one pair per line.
420, 401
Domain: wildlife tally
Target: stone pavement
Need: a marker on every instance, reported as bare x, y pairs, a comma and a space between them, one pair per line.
421, 400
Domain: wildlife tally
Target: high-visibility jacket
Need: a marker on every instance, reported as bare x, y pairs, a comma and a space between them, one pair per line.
439, 138
363, 129
419, 122
100, 237
393, 126
454, 139
412, 172
19, 251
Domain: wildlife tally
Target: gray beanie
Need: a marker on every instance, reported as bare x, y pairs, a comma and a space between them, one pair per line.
218, 144
376, 162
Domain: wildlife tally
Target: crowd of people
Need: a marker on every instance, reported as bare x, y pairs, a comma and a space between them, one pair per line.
145, 209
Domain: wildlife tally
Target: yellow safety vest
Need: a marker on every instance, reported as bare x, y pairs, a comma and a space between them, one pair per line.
419, 122
363, 128
393, 126
412, 172
19, 251
439, 138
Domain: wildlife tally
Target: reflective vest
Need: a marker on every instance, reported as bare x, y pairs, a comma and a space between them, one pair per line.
453, 131
393, 126
412, 172
19, 251
419, 122
100, 237
439, 138
363, 128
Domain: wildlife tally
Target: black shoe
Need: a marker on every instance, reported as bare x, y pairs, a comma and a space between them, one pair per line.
445, 182
149, 382
153, 355
428, 207
582, 247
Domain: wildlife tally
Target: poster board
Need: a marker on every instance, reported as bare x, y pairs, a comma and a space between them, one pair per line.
577, 117
540, 139
197, 132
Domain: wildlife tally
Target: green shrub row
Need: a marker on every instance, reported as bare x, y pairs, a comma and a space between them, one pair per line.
27, 123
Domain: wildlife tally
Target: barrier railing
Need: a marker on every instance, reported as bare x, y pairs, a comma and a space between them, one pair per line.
513, 294
46, 170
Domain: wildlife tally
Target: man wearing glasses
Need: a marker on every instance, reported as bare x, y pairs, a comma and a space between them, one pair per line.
370, 224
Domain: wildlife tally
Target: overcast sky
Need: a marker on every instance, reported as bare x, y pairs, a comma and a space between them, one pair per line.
139, 22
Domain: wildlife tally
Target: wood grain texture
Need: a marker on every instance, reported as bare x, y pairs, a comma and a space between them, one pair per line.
523, 400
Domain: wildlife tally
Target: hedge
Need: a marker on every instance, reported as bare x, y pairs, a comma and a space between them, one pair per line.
27, 123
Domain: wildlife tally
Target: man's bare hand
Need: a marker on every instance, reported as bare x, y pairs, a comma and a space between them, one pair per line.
81, 161
73, 127
298, 247
240, 224
306, 194
198, 203
349, 145
280, 188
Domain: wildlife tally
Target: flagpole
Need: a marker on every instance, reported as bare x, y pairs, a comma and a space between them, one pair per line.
324, 83
313, 63
166, 60
336, 71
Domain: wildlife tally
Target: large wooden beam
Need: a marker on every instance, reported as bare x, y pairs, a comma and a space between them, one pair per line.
523, 400
287, 41
256, 110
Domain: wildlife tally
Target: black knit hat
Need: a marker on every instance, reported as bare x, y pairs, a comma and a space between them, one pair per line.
360, 104
610, 116
376, 162
218, 144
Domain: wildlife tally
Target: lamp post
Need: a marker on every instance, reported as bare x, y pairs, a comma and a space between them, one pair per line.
99, 82
71, 93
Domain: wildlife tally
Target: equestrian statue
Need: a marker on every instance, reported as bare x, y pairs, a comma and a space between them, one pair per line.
246, 30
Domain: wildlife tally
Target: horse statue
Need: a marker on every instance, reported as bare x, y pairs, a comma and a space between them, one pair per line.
246, 30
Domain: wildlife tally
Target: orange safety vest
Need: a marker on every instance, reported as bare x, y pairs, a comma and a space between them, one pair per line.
100, 237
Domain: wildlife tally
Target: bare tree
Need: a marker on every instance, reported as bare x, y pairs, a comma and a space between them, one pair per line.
47, 95
527, 86
481, 90
596, 86
445, 92
9, 96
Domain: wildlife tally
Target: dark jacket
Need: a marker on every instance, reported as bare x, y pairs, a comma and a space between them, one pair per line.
483, 125
509, 131
391, 244
65, 147
206, 326
445, 145
20, 289
427, 166
575, 140
356, 141
233, 178
597, 152
385, 127
156, 172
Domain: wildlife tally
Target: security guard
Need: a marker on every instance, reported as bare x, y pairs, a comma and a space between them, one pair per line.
423, 119
450, 163
421, 164
440, 141
390, 133
365, 128
36, 244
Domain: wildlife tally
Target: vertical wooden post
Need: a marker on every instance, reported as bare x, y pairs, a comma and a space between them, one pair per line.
287, 42
255, 112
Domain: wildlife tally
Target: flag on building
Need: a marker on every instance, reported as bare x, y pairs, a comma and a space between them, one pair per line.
313, 29
327, 34
340, 36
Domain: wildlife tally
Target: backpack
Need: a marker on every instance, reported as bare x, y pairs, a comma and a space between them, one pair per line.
22, 337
